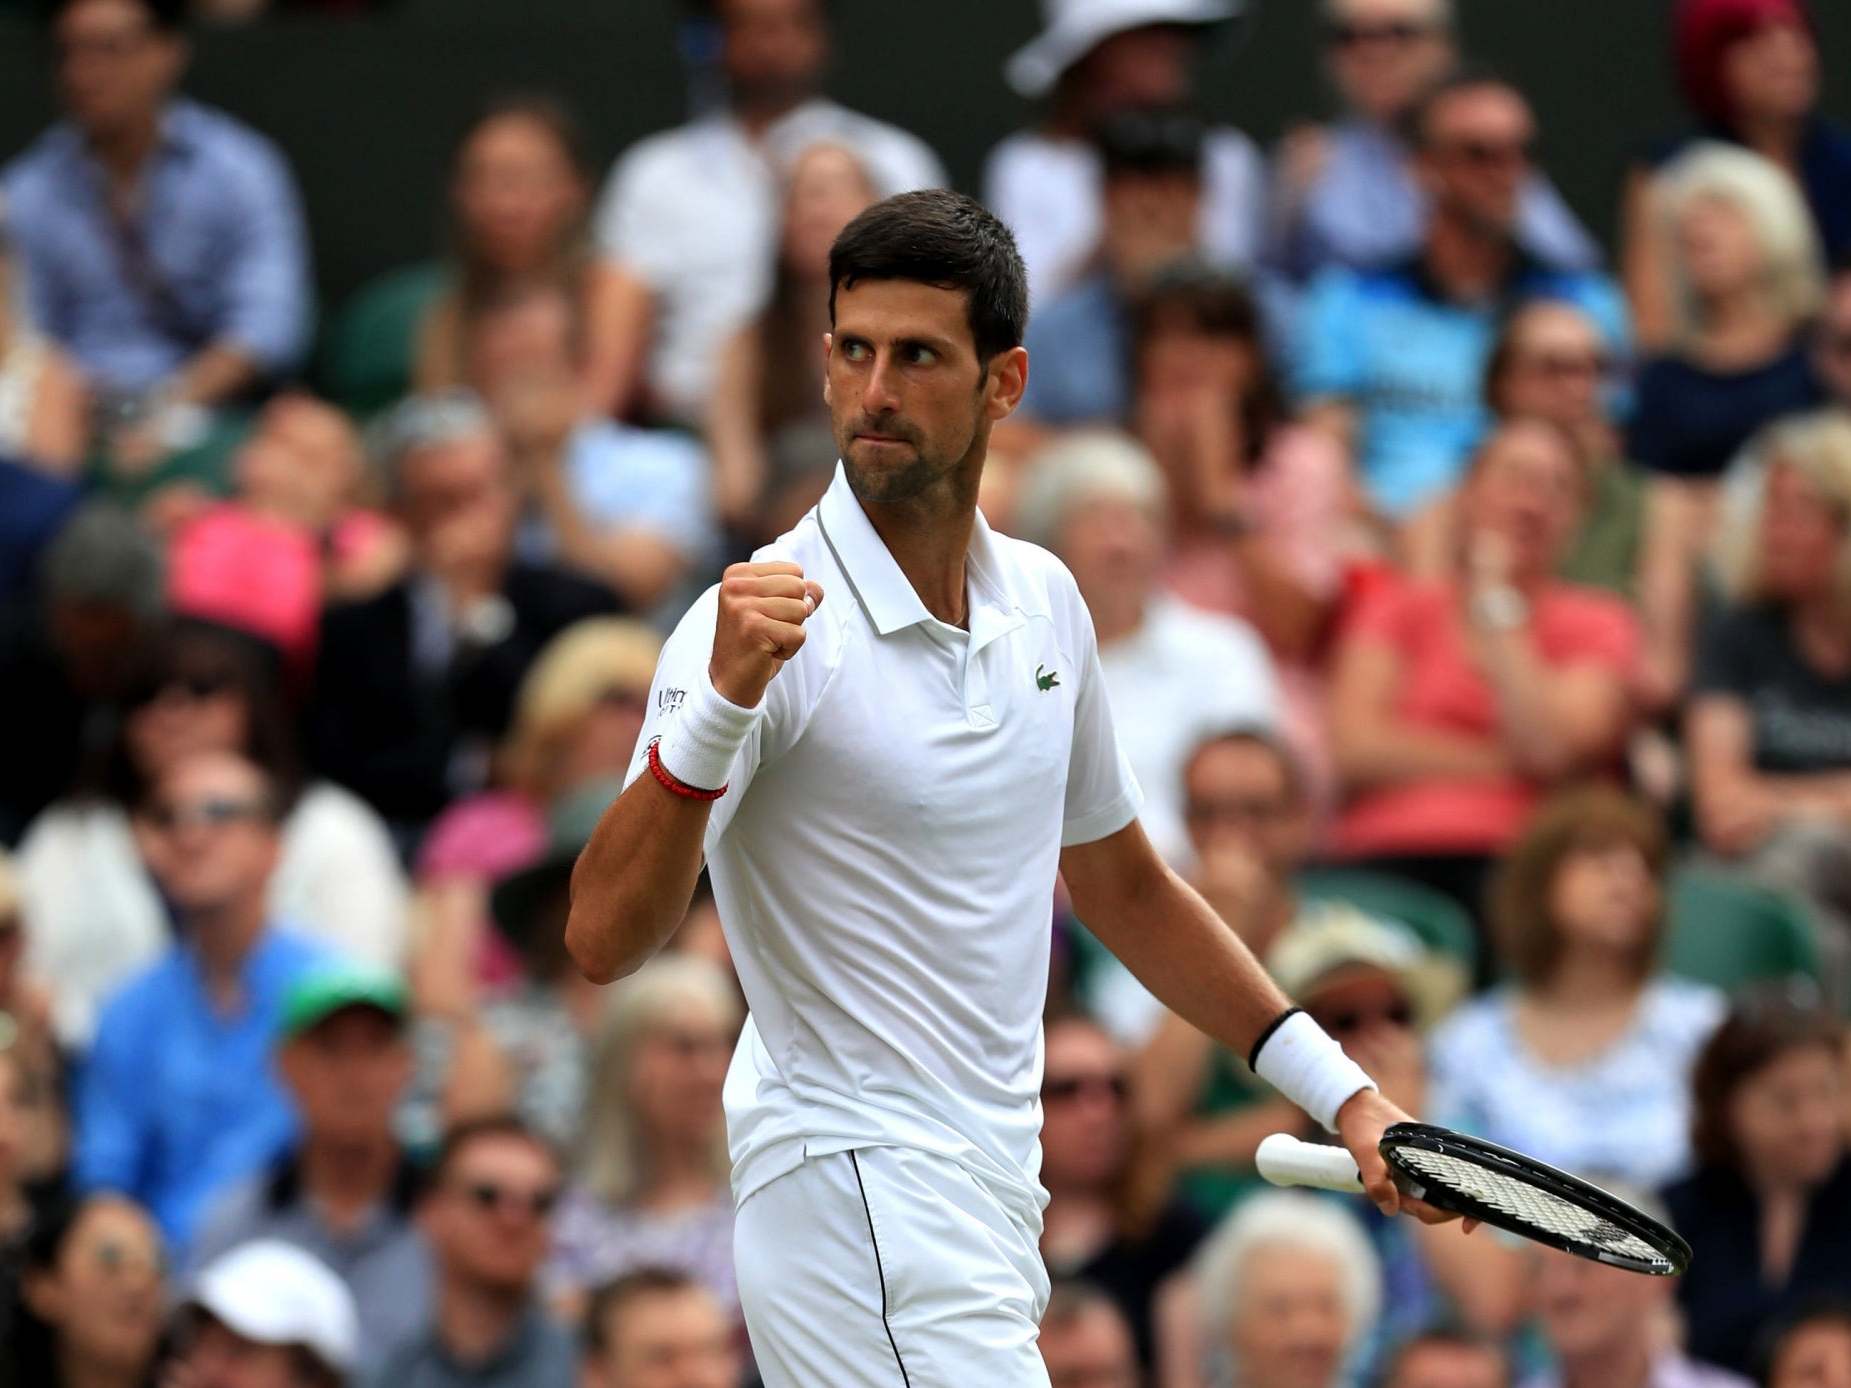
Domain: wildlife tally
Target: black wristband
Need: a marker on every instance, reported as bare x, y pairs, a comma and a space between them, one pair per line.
1253, 1056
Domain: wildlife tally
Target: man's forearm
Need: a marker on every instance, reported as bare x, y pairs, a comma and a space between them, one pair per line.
216, 373
633, 882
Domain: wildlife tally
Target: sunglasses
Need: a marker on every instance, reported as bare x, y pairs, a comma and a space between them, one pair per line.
488, 1196
1397, 32
1490, 154
1348, 1021
1070, 1087
210, 814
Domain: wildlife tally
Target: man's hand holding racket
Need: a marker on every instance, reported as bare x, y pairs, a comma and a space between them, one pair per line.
1362, 1120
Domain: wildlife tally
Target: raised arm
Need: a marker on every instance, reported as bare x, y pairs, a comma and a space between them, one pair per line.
633, 881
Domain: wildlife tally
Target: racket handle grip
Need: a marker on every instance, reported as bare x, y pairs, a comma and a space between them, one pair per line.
1285, 1161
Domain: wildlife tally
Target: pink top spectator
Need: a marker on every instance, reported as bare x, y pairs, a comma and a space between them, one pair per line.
483, 838
1441, 687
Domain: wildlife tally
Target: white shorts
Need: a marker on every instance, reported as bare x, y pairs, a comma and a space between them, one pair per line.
888, 1268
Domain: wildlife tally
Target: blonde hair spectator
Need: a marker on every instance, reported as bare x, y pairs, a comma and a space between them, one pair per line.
590, 661
1776, 212
1817, 447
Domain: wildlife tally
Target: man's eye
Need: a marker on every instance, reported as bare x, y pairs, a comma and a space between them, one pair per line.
855, 351
920, 356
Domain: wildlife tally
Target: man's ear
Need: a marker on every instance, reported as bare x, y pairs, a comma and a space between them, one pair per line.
1007, 379
829, 342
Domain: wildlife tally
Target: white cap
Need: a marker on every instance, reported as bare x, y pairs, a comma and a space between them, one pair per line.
274, 1293
1073, 28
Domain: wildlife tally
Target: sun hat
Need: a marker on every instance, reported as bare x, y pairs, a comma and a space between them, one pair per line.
1073, 28
1331, 937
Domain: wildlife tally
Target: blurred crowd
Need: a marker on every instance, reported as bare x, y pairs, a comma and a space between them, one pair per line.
1474, 606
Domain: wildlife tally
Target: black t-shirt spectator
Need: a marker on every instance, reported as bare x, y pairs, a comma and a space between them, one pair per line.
1130, 1270
1690, 422
1800, 718
1725, 1300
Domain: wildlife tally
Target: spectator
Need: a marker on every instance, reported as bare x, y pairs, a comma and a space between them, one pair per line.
1583, 1060
162, 240
1287, 1289
1393, 358
178, 1098
67, 651
690, 215
1443, 1357
345, 1192
42, 397
654, 1328
267, 1315
766, 424
1811, 1349
33, 1067
1769, 722
1111, 1218
1831, 353
1347, 193
520, 191
1767, 1213
1750, 74
1150, 193
651, 1172
1745, 265
487, 1214
90, 1299
1173, 672
1455, 705
1085, 1340
626, 506
1608, 1328
97, 917
416, 684
1093, 62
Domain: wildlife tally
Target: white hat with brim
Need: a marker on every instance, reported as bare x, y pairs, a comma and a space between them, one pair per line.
1334, 938
273, 1293
1075, 27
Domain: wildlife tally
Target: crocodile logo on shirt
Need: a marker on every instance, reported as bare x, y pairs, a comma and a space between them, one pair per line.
1046, 682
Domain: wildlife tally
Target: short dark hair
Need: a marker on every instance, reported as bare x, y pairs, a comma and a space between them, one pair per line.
1158, 141
1466, 77
945, 239
1446, 1332
167, 16
1072, 1297
462, 1136
1827, 1308
1291, 766
1195, 297
614, 1297
1764, 1026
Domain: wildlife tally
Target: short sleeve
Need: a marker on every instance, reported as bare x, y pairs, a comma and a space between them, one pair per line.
1102, 793
1326, 357
620, 225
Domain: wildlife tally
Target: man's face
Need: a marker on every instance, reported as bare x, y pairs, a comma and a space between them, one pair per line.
1090, 1350
1832, 355
1237, 796
209, 836
347, 1073
115, 69
1383, 54
1476, 154
218, 1357
302, 462
1814, 1356
1293, 1321
1443, 1364
668, 1339
1083, 1104
1150, 222
1113, 546
491, 1219
908, 399
1137, 69
1589, 1309
457, 501
773, 51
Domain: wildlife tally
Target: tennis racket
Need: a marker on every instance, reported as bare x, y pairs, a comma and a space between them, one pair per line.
1505, 1189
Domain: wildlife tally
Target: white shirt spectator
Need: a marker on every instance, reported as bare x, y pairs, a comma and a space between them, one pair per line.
1048, 192
95, 919
1181, 677
694, 212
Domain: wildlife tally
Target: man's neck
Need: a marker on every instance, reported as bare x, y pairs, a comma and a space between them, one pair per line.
1466, 262
474, 1321
223, 940
756, 117
929, 538
75, 1372
1621, 1366
123, 151
349, 1179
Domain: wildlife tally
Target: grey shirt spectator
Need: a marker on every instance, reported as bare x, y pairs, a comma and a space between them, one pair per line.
538, 1354
383, 1259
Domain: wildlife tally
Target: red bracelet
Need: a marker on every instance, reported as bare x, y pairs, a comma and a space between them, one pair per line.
676, 787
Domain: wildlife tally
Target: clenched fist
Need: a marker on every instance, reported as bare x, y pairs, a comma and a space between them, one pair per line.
762, 611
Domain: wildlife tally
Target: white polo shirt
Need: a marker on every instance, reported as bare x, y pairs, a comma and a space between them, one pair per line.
885, 855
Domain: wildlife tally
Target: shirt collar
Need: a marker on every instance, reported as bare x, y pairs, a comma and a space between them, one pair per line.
519, 1346
884, 591
284, 1187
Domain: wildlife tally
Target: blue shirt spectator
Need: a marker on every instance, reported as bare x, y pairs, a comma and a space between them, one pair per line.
1079, 345
178, 1098
215, 254
1409, 361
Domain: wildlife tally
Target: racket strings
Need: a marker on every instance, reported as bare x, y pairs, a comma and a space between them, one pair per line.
1525, 1203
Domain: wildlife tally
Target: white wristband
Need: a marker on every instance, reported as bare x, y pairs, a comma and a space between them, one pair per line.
704, 735
1309, 1068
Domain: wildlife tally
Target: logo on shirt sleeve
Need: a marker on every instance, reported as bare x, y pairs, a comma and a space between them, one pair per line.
670, 700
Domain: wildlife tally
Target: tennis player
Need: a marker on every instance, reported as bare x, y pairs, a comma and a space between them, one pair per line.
883, 786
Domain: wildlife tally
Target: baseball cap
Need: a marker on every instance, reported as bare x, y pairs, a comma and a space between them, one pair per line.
273, 1293
313, 999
